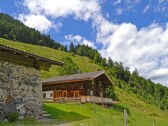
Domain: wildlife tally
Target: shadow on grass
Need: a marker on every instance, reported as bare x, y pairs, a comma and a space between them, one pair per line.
63, 116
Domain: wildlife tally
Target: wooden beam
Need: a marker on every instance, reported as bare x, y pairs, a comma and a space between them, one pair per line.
66, 81
24, 60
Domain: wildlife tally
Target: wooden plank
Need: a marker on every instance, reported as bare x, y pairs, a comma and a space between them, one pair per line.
66, 81
23, 61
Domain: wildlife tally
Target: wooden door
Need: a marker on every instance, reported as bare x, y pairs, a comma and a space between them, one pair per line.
57, 94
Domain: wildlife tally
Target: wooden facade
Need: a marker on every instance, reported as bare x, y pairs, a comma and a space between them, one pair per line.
78, 85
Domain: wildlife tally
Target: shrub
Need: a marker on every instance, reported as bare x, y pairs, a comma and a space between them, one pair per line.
13, 116
110, 93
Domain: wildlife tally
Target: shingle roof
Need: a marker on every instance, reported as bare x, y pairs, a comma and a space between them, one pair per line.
15, 52
84, 76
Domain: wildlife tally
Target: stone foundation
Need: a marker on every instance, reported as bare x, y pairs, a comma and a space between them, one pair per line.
20, 90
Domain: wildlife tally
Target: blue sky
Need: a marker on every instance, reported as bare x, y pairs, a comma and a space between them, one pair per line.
132, 31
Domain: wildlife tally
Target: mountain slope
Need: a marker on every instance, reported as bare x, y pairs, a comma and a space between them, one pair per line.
84, 63
140, 111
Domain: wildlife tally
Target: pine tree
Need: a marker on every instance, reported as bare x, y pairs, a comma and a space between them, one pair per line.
72, 47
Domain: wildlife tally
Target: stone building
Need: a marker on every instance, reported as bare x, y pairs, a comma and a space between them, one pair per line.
20, 83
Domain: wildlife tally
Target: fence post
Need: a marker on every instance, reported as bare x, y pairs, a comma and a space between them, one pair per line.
153, 121
125, 118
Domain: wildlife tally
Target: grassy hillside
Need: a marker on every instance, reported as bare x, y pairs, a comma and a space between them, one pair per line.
84, 63
141, 114
94, 115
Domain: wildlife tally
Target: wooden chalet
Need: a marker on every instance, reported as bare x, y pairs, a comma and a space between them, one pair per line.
87, 87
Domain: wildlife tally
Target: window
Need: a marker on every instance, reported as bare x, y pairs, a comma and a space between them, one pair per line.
51, 95
44, 95
64, 94
76, 93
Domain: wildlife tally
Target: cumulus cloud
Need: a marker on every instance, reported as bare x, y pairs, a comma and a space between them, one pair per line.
39, 22
145, 49
82, 9
77, 39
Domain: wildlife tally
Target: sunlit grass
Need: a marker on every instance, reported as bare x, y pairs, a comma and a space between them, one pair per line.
84, 63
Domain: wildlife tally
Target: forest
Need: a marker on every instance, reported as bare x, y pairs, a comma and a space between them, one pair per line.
152, 93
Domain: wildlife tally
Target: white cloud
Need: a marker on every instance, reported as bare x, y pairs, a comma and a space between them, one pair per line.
82, 9
162, 6
117, 2
146, 8
79, 40
159, 75
39, 22
128, 5
119, 11
145, 49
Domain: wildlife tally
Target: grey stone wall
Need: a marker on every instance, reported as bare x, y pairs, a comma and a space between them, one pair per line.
20, 90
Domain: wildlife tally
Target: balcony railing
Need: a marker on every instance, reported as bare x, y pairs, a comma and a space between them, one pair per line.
97, 100
81, 99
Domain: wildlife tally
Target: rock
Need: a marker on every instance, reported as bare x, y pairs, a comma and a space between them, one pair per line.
6, 120
21, 117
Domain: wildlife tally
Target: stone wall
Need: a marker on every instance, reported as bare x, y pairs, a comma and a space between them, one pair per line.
20, 90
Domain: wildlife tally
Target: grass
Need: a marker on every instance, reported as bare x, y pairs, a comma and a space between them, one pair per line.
25, 122
94, 115
84, 63
77, 114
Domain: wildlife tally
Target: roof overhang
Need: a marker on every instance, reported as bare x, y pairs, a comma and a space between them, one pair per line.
24, 58
61, 81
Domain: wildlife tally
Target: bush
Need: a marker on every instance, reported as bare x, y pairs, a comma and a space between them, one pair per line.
13, 116
110, 93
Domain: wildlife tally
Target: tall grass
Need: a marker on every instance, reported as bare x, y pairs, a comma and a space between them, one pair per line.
95, 115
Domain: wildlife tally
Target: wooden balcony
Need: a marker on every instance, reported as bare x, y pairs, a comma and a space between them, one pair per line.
81, 99
62, 100
97, 100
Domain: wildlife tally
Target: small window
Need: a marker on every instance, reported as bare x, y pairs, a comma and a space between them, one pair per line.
51, 95
44, 95
64, 94
76, 93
